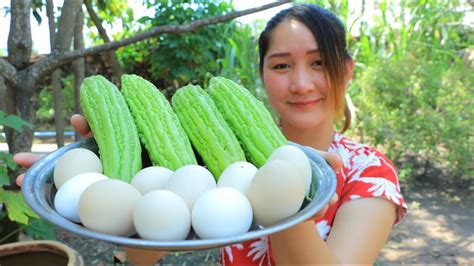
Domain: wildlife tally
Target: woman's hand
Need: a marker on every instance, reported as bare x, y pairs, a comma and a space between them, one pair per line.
323, 211
27, 159
335, 160
80, 125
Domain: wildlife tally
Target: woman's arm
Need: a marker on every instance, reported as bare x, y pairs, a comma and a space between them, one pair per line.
361, 228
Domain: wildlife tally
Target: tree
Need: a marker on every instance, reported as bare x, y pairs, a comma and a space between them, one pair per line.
61, 42
21, 76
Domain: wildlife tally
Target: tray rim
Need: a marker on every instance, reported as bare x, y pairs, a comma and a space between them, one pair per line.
34, 181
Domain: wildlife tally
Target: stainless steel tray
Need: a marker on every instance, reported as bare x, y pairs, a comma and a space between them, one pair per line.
39, 191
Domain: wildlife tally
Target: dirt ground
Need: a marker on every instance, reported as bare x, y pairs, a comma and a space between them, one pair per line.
439, 229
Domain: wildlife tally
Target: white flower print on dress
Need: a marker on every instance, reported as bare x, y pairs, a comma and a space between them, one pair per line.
393, 170
351, 145
382, 186
346, 154
362, 161
228, 251
337, 138
355, 156
353, 197
323, 228
259, 250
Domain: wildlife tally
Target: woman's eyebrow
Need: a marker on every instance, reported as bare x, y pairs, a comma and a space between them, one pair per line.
278, 55
313, 51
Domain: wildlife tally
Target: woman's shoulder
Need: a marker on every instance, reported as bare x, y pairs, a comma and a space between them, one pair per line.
367, 173
341, 141
358, 157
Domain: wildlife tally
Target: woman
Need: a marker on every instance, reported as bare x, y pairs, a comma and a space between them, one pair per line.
305, 68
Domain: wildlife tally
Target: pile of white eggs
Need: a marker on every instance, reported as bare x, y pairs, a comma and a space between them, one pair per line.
164, 205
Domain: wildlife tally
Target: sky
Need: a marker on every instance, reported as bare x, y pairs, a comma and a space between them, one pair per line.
41, 32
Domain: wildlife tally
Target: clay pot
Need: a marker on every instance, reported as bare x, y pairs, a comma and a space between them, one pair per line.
39, 252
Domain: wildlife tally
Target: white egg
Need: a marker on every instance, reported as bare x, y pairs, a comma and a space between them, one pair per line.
66, 201
151, 178
73, 162
107, 207
162, 215
238, 175
221, 212
189, 182
297, 158
276, 192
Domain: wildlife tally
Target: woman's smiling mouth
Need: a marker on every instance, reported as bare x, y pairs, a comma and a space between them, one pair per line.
305, 103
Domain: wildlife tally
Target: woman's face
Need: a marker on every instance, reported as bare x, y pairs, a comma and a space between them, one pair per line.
294, 78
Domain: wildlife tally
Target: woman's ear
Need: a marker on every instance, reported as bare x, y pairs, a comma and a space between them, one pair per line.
350, 68
349, 72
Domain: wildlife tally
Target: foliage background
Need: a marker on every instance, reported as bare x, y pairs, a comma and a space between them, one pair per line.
413, 88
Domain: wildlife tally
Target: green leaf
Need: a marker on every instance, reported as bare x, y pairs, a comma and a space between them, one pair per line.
18, 210
40, 229
7, 158
13, 121
144, 19
4, 179
37, 16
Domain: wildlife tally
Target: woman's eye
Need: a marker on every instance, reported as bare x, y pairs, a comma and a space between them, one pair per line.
281, 66
317, 64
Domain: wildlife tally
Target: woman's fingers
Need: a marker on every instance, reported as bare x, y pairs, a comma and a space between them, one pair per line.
320, 213
333, 199
323, 211
19, 180
26, 159
79, 123
333, 158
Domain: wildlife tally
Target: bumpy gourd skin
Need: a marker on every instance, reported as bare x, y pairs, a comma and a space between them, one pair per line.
208, 131
114, 130
158, 126
249, 119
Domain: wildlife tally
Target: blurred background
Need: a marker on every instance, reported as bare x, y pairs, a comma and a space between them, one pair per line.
412, 97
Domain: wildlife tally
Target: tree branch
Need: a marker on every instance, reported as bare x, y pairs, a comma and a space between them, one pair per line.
55, 59
96, 20
9, 72
112, 59
52, 26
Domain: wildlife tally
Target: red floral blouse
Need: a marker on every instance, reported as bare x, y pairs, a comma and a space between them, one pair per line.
366, 173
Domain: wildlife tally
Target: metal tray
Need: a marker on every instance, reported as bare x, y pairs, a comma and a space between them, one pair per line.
39, 191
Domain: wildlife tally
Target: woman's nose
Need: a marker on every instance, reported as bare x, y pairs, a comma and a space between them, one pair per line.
302, 81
